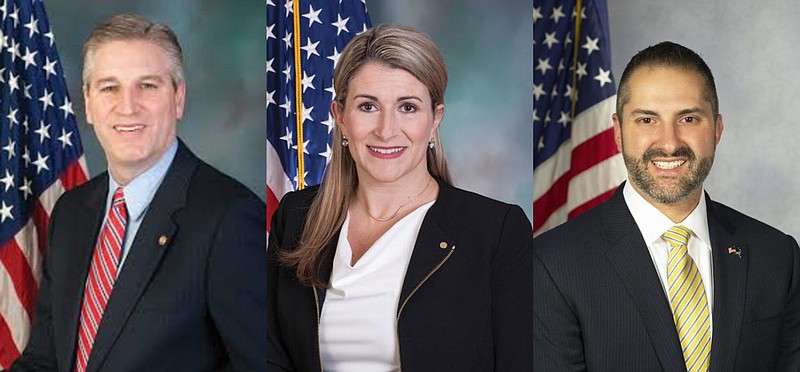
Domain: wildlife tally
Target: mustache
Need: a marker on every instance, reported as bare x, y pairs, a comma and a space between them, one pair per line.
683, 151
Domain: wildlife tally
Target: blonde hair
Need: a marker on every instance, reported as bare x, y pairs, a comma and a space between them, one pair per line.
395, 46
134, 27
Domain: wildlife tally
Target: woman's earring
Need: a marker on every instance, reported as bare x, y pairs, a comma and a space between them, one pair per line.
431, 144
345, 142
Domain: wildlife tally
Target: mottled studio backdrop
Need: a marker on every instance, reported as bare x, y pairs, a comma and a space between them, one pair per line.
751, 46
224, 56
487, 127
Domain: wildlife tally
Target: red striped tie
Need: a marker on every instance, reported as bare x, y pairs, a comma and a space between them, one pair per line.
102, 274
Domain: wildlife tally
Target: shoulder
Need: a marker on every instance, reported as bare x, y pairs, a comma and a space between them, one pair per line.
750, 231
461, 204
461, 210
585, 236
205, 184
94, 188
208, 182
731, 218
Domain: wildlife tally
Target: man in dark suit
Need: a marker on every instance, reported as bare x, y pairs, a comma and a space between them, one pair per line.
660, 277
158, 264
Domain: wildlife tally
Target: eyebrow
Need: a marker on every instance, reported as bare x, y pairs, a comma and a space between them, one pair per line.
112, 79
692, 110
373, 98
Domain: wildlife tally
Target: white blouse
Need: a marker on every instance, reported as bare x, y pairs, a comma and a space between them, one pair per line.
357, 326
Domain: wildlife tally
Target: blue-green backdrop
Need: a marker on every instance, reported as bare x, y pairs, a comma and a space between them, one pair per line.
225, 61
487, 128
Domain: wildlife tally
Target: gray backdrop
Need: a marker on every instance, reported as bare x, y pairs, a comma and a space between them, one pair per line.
225, 54
487, 128
751, 49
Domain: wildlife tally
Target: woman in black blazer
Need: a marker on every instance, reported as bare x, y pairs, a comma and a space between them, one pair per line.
386, 266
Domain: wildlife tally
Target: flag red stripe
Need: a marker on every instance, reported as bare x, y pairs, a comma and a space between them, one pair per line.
73, 175
41, 221
550, 201
584, 156
593, 151
591, 204
21, 275
8, 349
272, 205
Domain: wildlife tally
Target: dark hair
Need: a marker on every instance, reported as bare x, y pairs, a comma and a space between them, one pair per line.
668, 54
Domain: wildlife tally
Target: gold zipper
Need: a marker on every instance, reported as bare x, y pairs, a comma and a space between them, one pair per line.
403, 305
319, 348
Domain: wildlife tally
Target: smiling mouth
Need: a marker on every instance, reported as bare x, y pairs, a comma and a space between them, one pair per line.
386, 150
128, 128
668, 164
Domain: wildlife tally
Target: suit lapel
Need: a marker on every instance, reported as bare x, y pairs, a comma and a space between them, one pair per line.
78, 249
152, 240
730, 281
629, 258
432, 247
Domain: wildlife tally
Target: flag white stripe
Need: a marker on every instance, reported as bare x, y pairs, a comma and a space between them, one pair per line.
277, 181
12, 311
27, 240
596, 180
49, 196
587, 124
558, 217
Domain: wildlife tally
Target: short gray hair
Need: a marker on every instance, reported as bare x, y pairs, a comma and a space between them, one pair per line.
134, 27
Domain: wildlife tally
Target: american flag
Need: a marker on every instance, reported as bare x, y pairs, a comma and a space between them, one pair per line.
576, 164
304, 40
40, 157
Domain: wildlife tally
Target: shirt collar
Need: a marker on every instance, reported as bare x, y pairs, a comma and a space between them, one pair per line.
140, 191
652, 223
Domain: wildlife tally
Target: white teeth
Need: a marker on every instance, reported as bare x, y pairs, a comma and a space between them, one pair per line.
128, 128
669, 164
386, 151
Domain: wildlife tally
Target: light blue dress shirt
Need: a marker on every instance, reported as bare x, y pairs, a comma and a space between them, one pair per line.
138, 194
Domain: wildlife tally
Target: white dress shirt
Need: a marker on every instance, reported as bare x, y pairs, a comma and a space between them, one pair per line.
652, 224
357, 325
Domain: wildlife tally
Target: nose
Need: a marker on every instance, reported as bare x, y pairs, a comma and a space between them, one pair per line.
387, 125
669, 139
128, 101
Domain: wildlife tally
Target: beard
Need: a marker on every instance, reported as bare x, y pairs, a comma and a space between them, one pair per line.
664, 191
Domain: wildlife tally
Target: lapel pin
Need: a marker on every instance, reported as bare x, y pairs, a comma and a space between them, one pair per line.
735, 250
162, 240
443, 245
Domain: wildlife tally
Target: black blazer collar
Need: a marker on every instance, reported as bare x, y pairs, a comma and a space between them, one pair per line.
629, 257
428, 251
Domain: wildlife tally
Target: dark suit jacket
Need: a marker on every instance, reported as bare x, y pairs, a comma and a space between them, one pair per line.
467, 306
196, 303
599, 304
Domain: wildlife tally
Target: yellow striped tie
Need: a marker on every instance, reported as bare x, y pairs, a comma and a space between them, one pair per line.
687, 296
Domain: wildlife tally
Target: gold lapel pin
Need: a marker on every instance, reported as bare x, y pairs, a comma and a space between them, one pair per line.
162, 240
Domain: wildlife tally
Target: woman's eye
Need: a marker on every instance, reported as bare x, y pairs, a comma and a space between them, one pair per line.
408, 108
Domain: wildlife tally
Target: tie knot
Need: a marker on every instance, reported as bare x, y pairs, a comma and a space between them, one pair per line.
677, 235
119, 196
